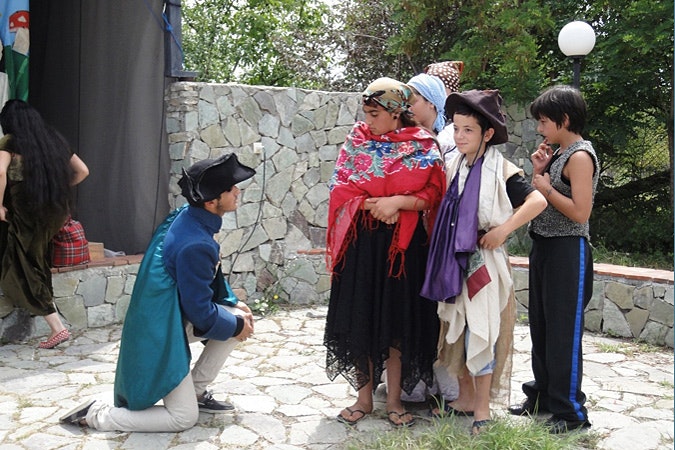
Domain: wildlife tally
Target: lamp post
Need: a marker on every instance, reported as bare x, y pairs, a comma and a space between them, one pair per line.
576, 40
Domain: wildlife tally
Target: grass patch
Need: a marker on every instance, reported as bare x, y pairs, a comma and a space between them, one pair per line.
519, 244
653, 260
628, 348
24, 403
452, 433
667, 384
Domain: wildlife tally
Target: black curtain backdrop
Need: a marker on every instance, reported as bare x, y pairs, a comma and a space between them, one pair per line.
97, 75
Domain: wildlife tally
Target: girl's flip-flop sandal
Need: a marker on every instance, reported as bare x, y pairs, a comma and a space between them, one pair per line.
351, 423
400, 416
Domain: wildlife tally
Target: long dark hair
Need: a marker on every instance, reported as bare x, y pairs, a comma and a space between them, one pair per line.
46, 158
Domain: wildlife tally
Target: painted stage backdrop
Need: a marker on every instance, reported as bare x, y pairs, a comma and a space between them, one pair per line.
14, 22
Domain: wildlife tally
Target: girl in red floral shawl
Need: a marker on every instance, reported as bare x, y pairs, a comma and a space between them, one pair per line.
387, 185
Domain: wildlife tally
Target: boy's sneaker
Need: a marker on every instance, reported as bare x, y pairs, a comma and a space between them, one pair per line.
209, 404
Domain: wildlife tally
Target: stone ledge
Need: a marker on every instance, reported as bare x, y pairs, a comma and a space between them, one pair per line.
611, 270
105, 262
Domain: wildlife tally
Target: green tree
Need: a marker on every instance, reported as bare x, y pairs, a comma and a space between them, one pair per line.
264, 42
628, 85
512, 45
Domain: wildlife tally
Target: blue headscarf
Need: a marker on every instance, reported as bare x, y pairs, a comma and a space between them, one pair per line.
432, 88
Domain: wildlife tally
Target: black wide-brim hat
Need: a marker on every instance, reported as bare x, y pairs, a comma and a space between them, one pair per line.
488, 103
208, 178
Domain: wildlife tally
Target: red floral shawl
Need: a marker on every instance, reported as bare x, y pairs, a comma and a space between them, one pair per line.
402, 162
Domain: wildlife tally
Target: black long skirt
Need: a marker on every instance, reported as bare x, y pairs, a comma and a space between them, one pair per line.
371, 311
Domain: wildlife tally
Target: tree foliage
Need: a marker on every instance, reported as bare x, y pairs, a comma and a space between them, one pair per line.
263, 42
512, 45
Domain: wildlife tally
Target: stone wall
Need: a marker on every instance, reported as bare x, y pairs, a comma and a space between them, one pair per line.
283, 209
627, 302
267, 244
92, 295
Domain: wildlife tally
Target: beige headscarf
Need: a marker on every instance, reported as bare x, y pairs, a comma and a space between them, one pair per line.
391, 94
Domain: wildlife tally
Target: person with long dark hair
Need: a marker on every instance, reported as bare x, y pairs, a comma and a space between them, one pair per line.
37, 172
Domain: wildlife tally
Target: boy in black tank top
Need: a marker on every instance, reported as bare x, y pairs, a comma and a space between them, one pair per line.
561, 263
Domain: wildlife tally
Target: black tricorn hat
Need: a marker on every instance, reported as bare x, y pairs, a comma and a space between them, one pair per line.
208, 178
488, 103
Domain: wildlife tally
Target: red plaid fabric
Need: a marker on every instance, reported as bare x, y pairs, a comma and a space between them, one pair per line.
70, 247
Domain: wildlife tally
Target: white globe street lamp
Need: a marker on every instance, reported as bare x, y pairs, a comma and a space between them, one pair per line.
576, 40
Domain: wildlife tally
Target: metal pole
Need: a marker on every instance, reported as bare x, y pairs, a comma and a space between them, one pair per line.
577, 71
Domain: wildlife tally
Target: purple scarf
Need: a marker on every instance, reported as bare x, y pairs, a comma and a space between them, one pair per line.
454, 238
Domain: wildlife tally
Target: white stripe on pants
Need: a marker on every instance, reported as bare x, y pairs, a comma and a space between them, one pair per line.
180, 410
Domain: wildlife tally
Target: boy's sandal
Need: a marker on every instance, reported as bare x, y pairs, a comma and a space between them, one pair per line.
351, 423
450, 411
478, 424
55, 340
400, 416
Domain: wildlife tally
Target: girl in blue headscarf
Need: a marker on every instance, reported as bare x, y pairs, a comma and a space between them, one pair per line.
429, 105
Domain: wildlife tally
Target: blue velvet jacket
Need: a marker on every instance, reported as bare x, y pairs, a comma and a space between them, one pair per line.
192, 257
175, 281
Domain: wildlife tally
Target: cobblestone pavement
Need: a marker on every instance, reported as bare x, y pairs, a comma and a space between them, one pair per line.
285, 401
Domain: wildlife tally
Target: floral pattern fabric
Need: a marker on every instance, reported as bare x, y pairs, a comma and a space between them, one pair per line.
403, 162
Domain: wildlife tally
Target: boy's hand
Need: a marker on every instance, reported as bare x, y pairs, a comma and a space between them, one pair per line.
247, 331
542, 183
541, 157
493, 238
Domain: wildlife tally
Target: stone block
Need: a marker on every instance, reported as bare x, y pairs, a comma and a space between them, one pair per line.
302, 269
275, 227
643, 297
662, 312
614, 322
655, 333
668, 340
65, 284
598, 296
73, 310
16, 327
114, 288
213, 136
208, 114
299, 292
520, 279
620, 294
523, 299
129, 284
593, 320
101, 315
92, 289
121, 308
637, 318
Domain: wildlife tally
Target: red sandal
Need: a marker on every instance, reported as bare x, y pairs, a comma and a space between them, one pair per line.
55, 340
